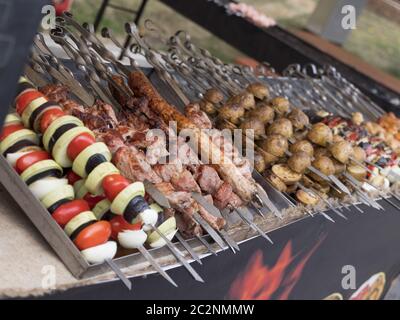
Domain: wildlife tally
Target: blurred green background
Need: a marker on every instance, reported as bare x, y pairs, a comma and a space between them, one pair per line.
376, 39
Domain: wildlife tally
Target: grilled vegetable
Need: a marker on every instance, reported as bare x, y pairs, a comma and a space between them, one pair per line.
254, 124
122, 200
276, 145
281, 127
29, 159
66, 211
258, 90
40, 170
30, 109
79, 165
78, 223
276, 182
93, 235
259, 162
45, 186
302, 146
18, 140
100, 253
57, 197
48, 117
244, 100
280, 105
95, 178
320, 134
299, 161
102, 210
113, 184
298, 118
359, 154
341, 151
231, 112
167, 228
287, 175
207, 107
214, 96
263, 112
323, 164
357, 171
306, 197
24, 99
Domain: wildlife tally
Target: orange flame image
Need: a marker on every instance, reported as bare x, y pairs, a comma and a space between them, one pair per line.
260, 282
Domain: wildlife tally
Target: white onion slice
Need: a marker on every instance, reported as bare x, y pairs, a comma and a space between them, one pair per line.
132, 239
12, 158
161, 242
44, 186
149, 218
100, 253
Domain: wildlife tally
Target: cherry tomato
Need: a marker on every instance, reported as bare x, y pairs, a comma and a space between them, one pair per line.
118, 224
48, 117
78, 144
114, 184
25, 99
7, 130
72, 177
64, 213
29, 159
93, 235
92, 200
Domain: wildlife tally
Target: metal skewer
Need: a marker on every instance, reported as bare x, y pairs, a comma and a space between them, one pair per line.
119, 274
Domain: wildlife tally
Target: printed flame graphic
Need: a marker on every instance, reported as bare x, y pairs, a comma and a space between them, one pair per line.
259, 282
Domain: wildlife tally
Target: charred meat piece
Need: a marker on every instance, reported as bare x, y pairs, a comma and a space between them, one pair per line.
224, 197
215, 222
208, 179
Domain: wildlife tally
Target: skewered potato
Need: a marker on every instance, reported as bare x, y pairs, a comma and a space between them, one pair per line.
244, 99
259, 162
339, 167
259, 90
306, 197
268, 157
322, 187
341, 151
222, 124
287, 175
254, 124
280, 105
302, 146
232, 112
298, 118
275, 144
300, 135
319, 152
263, 112
299, 161
359, 154
214, 96
282, 127
207, 107
291, 188
307, 181
323, 164
357, 171
320, 134
336, 138
277, 183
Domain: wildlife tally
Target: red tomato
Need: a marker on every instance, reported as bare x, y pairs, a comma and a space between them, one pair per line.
92, 200
114, 184
64, 213
29, 159
118, 224
93, 235
48, 117
11, 128
72, 177
25, 99
78, 144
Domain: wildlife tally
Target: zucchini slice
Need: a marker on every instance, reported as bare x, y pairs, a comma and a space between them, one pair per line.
95, 178
82, 190
12, 118
121, 201
26, 135
78, 223
40, 170
167, 228
60, 147
102, 210
55, 125
35, 104
58, 194
79, 164
36, 116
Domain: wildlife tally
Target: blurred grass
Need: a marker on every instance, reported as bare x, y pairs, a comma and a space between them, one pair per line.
376, 39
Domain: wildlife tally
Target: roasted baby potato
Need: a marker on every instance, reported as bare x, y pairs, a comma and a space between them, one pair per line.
277, 183
269, 158
275, 144
298, 118
258, 90
320, 151
323, 164
306, 197
282, 127
259, 162
359, 154
339, 167
341, 151
281, 105
232, 112
208, 107
320, 134
357, 171
244, 99
254, 124
287, 175
263, 112
299, 161
214, 96
302, 146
